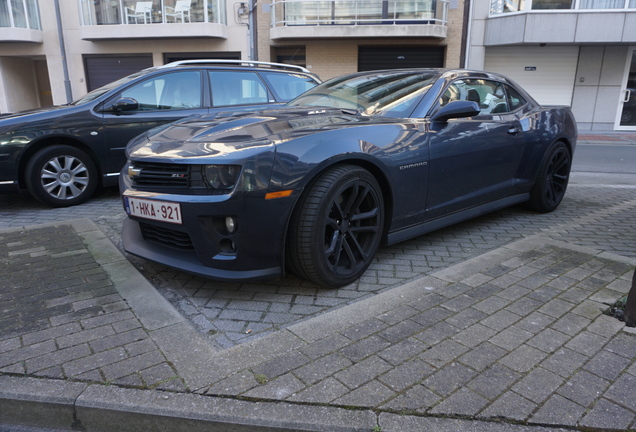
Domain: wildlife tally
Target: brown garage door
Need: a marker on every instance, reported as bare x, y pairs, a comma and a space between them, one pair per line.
392, 57
103, 69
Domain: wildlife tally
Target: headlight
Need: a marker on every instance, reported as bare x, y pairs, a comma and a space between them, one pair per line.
221, 177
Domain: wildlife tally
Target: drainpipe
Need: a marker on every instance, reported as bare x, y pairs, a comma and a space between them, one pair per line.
252, 30
467, 37
60, 33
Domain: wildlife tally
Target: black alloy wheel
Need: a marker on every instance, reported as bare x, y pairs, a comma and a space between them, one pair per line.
552, 179
61, 176
337, 227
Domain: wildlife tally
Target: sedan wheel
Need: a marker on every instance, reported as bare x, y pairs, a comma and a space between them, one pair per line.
552, 179
61, 176
337, 227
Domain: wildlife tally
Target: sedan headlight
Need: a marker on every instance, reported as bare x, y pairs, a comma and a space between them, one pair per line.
221, 177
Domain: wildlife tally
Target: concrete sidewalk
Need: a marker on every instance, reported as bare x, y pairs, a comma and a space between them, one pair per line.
607, 137
512, 340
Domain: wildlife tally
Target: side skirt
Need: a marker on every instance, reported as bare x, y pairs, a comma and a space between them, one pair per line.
435, 224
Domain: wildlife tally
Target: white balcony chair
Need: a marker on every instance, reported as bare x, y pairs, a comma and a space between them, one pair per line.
181, 10
142, 10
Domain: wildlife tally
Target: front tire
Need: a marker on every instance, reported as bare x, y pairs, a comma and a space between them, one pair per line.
337, 227
61, 176
552, 179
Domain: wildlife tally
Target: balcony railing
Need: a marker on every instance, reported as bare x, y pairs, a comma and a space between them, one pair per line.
498, 7
20, 14
99, 12
358, 12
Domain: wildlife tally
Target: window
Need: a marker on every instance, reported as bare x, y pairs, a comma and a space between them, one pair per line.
287, 86
515, 100
489, 95
20, 13
552, 4
237, 88
178, 90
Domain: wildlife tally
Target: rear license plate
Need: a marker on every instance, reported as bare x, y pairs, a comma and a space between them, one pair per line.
155, 210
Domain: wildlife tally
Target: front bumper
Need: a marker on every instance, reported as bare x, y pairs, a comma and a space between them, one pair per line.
199, 245
189, 262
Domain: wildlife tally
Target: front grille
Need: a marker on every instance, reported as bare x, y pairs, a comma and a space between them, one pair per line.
162, 175
166, 237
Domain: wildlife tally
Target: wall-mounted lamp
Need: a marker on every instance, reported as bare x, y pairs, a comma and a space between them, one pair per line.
243, 11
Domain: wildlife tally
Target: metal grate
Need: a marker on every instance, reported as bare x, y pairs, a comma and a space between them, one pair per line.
160, 174
166, 237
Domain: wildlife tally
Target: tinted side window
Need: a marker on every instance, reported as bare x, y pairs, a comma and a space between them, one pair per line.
514, 98
237, 88
286, 86
489, 95
177, 90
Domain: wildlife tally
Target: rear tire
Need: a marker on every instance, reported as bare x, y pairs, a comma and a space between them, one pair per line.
337, 227
552, 179
61, 176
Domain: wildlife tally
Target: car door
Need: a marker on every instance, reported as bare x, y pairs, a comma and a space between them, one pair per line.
473, 160
161, 99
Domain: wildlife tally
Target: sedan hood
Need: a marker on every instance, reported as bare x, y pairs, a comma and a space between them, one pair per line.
37, 111
205, 136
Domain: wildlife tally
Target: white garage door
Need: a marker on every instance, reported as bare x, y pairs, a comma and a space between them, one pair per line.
547, 73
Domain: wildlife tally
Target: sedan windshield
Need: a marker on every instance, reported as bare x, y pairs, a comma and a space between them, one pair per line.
392, 93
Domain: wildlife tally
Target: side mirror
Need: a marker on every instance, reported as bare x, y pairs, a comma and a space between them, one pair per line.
456, 109
124, 104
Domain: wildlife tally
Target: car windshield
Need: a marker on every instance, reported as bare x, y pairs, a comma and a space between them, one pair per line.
390, 93
105, 89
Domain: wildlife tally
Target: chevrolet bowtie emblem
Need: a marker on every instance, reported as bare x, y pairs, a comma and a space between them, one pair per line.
133, 172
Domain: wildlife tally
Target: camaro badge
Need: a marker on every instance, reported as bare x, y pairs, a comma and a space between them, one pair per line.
413, 165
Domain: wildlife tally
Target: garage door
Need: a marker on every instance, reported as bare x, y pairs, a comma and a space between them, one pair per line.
392, 57
547, 73
221, 55
101, 70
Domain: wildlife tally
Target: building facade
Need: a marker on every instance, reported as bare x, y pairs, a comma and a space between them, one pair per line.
580, 53
335, 37
54, 51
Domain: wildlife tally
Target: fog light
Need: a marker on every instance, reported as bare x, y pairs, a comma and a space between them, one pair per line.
230, 224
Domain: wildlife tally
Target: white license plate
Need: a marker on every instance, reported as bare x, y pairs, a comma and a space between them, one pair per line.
155, 210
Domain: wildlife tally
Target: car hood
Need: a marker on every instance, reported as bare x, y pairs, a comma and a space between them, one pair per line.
205, 136
36, 111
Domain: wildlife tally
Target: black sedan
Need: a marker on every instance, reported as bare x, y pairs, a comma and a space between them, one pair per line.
316, 186
61, 154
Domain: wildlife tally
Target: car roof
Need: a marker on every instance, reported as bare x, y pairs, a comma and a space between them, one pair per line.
233, 63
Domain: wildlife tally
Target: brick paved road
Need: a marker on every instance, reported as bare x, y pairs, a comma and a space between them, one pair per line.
75, 323
596, 212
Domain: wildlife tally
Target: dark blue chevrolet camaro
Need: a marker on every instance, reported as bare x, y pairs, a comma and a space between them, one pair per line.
315, 187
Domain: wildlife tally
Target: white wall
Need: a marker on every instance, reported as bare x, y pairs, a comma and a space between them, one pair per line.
19, 84
598, 84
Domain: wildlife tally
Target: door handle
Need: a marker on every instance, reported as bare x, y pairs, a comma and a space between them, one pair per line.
514, 130
628, 95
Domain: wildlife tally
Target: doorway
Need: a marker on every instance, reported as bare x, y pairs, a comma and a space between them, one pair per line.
627, 107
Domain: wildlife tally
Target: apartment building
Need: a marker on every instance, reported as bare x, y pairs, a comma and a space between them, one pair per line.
54, 51
334, 37
580, 53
